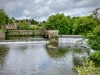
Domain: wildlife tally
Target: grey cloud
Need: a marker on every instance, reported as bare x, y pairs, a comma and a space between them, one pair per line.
87, 3
42, 9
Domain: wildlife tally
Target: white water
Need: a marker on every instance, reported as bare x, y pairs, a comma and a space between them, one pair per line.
24, 42
60, 40
69, 40
80, 42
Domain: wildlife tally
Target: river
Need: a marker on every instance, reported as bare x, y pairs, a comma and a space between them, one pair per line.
33, 57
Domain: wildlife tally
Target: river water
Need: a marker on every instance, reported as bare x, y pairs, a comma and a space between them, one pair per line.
33, 57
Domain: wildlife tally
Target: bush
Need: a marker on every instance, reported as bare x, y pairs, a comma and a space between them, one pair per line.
96, 55
6, 31
33, 34
87, 68
94, 38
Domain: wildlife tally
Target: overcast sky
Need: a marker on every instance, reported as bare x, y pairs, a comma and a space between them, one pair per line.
41, 9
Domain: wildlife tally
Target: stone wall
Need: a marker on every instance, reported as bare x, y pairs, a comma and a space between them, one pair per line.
23, 32
71, 36
2, 35
52, 33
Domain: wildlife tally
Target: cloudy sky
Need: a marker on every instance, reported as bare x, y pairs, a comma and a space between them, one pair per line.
41, 9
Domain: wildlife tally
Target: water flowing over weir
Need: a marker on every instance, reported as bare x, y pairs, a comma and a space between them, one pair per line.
30, 40
73, 40
32, 57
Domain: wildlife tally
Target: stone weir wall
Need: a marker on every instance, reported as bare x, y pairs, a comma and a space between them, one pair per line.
52, 35
71, 36
2, 35
49, 33
23, 32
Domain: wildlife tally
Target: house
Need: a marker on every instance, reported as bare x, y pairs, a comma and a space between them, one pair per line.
10, 27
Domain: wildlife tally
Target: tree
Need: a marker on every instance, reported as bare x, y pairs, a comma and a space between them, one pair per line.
34, 22
96, 15
83, 25
22, 26
11, 22
59, 22
94, 42
3, 18
73, 21
94, 38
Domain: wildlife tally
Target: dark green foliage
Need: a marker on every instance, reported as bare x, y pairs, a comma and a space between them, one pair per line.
83, 25
33, 34
11, 22
23, 26
94, 38
96, 55
6, 31
59, 22
3, 18
87, 68
34, 22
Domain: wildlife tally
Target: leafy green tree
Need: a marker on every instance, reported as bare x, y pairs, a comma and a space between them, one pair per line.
23, 26
16, 21
96, 55
94, 38
83, 25
73, 21
11, 22
3, 18
59, 22
34, 22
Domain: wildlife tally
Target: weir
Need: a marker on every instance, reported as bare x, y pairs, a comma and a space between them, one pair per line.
29, 40
60, 39
76, 41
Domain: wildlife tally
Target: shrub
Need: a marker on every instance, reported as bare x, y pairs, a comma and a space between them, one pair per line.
33, 34
96, 55
87, 68
6, 31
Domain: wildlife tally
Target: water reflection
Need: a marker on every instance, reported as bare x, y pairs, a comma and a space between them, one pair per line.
38, 59
3, 54
56, 52
66, 49
79, 55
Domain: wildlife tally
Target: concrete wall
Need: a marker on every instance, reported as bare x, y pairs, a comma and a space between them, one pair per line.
2, 35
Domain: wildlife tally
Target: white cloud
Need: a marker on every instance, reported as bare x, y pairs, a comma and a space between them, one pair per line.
38, 1
43, 11
23, 17
26, 12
